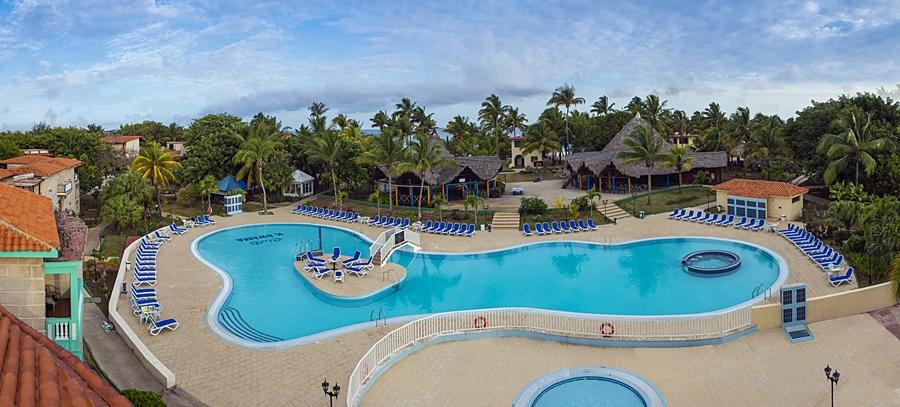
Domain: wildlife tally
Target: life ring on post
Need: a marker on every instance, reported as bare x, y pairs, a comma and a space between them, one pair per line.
607, 329
480, 322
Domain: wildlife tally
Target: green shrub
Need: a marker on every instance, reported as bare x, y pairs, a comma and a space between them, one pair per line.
143, 398
532, 206
581, 203
498, 189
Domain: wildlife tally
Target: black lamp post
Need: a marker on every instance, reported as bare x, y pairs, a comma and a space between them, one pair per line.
833, 376
634, 202
333, 394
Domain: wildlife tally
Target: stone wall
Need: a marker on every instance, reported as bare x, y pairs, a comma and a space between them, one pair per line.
22, 289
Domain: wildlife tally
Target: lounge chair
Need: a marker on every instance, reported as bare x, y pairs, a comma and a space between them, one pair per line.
354, 218
547, 230
685, 215
352, 259
702, 218
582, 225
827, 253
405, 223
526, 230
157, 326
338, 276
313, 258
677, 212
591, 225
744, 221
846, 278
137, 306
564, 227
359, 271
364, 264
470, 231
760, 224
426, 226
791, 228
200, 222
137, 292
728, 220
176, 230
297, 209
812, 248
574, 226
159, 235
696, 216
374, 221
397, 223
453, 228
335, 254
538, 228
556, 228
387, 223
429, 227
321, 272
832, 263
713, 219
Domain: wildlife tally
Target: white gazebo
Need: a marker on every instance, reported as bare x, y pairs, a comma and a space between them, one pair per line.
301, 186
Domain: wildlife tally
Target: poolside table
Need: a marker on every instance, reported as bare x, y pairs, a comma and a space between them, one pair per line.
416, 226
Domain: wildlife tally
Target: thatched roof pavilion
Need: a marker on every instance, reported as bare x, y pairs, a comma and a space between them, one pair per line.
592, 168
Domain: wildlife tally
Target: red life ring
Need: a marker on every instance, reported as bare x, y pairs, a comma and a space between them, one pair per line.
607, 329
480, 322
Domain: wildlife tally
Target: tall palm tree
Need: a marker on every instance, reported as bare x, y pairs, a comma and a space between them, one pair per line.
678, 159
492, 114
766, 139
565, 96
403, 117
654, 111
155, 165
386, 149
317, 110
854, 147
341, 121
424, 121
328, 148
473, 201
206, 187
540, 139
252, 156
515, 120
424, 156
602, 106
381, 120
643, 147
592, 195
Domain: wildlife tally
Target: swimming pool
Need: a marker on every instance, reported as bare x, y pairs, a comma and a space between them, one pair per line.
265, 301
590, 386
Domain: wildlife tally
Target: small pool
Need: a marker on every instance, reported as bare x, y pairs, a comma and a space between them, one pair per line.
265, 303
711, 262
590, 386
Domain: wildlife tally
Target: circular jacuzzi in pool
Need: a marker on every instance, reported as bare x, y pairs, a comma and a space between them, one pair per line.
589, 386
711, 262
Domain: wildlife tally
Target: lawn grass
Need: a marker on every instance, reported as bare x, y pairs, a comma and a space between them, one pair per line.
667, 200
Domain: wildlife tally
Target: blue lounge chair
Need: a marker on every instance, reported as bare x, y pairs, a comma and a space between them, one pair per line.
590, 223
352, 259
354, 218
158, 326
703, 217
526, 230
462, 229
453, 228
151, 281
677, 212
360, 272
297, 209
846, 278
685, 215
200, 221
538, 228
364, 264
470, 231
426, 225
574, 226
564, 227
712, 219
726, 222
397, 223
824, 254
582, 225
436, 227
556, 228
336, 254
313, 258
813, 247
321, 272
791, 228
374, 220
176, 230
696, 216
448, 228
833, 263
760, 224
137, 292
744, 221
405, 223
161, 236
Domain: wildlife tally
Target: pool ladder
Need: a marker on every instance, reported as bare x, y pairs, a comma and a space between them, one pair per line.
380, 318
762, 289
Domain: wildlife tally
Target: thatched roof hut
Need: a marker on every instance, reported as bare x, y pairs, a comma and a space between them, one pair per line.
484, 167
598, 161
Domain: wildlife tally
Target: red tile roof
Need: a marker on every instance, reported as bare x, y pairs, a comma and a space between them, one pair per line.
119, 139
5, 173
65, 162
37, 371
752, 188
40, 165
26, 221
41, 169
25, 159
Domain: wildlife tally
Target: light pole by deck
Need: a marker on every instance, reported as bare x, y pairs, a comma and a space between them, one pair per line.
833, 376
333, 394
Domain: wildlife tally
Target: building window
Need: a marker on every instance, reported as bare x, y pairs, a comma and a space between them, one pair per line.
796, 199
749, 207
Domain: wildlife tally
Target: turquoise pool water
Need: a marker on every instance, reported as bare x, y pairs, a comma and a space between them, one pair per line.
589, 392
269, 302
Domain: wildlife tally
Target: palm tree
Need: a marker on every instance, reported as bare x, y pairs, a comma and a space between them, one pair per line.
643, 147
328, 148
375, 198
853, 147
424, 122
252, 156
403, 117
540, 139
602, 106
423, 157
680, 123
565, 96
381, 120
317, 111
208, 186
492, 114
385, 149
766, 139
155, 165
341, 121
654, 111
473, 201
678, 159
592, 195
514, 120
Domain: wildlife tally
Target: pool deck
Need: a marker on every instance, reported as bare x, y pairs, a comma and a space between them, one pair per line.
760, 370
222, 374
353, 285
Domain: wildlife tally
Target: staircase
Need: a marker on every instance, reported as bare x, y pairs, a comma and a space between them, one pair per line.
505, 220
612, 211
376, 259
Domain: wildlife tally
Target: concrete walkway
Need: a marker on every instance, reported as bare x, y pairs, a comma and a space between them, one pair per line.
120, 366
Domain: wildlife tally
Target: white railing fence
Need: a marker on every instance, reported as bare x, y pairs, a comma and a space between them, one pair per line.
585, 326
389, 240
380, 241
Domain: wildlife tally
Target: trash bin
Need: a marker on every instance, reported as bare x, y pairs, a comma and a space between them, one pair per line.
488, 227
482, 227
641, 215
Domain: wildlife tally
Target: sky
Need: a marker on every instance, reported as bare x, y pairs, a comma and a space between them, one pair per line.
113, 62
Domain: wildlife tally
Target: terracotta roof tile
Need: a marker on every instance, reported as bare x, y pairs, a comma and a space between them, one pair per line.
26, 159
752, 188
37, 371
65, 162
27, 222
119, 139
5, 173
41, 169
